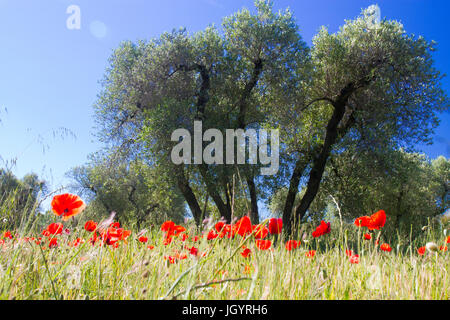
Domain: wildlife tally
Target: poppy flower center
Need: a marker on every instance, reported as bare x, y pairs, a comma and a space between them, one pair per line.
66, 210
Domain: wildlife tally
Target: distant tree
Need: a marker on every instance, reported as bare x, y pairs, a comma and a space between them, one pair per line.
411, 189
19, 197
408, 186
441, 175
134, 190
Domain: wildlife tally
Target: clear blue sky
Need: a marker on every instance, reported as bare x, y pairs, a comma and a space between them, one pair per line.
49, 74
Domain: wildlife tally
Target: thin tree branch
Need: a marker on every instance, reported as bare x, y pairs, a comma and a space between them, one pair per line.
331, 101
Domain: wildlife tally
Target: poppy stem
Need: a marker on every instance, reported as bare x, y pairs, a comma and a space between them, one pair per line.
48, 273
68, 261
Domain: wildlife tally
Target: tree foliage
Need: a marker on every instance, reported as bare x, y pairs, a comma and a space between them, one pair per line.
412, 189
19, 197
135, 191
368, 88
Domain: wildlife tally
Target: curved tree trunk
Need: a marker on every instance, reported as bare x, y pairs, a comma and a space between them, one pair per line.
254, 216
189, 196
212, 191
292, 192
335, 130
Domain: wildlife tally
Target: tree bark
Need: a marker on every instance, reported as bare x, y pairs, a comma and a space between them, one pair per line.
257, 70
227, 191
331, 137
254, 216
189, 196
318, 168
212, 191
292, 192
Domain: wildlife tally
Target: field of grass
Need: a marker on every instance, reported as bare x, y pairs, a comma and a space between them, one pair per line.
216, 269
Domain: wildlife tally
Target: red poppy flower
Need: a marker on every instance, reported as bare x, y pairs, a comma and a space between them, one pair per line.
177, 256
177, 230
367, 236
243, 226
375, 221
362, 221
354, 259
248, 269
310, 253
292, 244
228, 231
67, 205
219, 225
53, 229
448, 239
386, 247
125, 234
168, 225
275, 225
443, 248
7, 234
53, 243
151, 247
182, 256
421, 251
172, 229
184, 236
245, 252
115, 224
143, 239
170, 258
322, 229
193, 251
90, 226
349, 253
167, 241
112, 235
263, 244
224, 230
93, 239
211, 235
76, 242
261, 231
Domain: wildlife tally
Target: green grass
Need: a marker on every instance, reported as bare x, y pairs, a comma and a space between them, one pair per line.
133, 271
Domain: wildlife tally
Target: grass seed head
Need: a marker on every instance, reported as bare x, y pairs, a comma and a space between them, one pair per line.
432, 247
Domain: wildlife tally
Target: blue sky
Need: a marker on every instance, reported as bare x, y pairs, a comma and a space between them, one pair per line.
49, 75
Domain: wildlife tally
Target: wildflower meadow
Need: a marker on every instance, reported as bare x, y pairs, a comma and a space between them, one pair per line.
199, 150
106, 260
